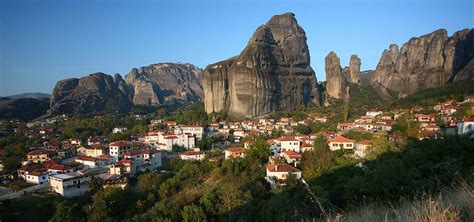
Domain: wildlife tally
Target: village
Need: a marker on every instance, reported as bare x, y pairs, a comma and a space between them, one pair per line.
68, 167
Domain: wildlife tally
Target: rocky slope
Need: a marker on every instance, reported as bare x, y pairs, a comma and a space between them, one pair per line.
164, 83
337, 78
92, 94
22, 107
427, 61
272, 73
157, 84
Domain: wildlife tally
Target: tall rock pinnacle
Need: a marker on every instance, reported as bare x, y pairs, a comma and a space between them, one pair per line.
272, 73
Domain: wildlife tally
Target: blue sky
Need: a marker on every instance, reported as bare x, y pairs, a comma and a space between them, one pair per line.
44, 41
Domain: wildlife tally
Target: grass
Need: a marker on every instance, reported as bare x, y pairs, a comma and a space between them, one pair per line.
452, 205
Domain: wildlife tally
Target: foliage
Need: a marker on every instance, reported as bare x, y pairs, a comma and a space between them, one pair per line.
193, 213
67, 212
432, 96
303, 129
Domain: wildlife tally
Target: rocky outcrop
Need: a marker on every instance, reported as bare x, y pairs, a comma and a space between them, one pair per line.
428, 61
164, 83
272, 73
354, 70
336, 82
338, 79
92, 94
157, 84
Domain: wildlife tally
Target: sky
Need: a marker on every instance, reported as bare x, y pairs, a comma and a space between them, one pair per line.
43, 41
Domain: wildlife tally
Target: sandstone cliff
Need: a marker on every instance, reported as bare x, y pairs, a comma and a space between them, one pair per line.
92, 94
336, 82
158, 84
272, 73
428, 61
164, 83
338, 78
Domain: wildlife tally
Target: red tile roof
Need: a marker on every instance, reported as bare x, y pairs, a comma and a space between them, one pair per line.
340, 139
86, 158
60, 167
293, 154
365, 142
236, 150
31, 167
281, 168
39, 152
151, 151
121, 143
49, 163
191, 153
133, 152
286, 139
37, 173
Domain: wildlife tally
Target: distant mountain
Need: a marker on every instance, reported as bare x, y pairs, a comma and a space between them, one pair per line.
30, 95
23, 108
93, 94
153, 85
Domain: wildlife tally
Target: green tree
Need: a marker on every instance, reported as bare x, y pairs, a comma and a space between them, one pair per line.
303, 129
67, 212
193, 213
317, 162
320, 143
259, 150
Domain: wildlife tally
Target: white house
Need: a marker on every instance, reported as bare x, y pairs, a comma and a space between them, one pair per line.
119, 129
118, 148
195, 130
289, 143
361, 148
58, 169
70, 184
339, 142
280, 172
37, 177
466, 125
235, 152
373, 113
149, 159
165, 141
192, 155
291, 156
92, 162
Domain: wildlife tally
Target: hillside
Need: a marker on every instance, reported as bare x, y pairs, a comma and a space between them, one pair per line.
432, 96
30, 95
23, 108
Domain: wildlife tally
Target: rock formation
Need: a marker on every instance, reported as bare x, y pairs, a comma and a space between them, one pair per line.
92, 94
272, 73
354, 70
428, 61
338, 79
336, 82
158, 84
164, 83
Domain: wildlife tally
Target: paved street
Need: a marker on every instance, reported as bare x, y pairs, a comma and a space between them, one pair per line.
32, 189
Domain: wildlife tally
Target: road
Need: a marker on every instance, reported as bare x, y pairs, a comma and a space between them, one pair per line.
32, 189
